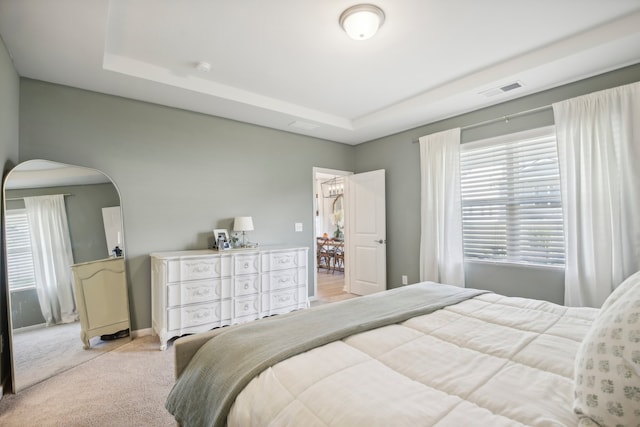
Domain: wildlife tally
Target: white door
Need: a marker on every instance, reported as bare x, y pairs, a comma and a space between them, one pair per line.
366, 254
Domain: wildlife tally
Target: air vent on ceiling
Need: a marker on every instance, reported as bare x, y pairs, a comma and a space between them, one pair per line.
502, 89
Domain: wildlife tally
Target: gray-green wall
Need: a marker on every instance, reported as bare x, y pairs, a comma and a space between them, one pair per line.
9, 107
400, 155
86, 229
180, 174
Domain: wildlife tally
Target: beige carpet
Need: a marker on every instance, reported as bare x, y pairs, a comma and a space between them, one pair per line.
124, 387
43, 352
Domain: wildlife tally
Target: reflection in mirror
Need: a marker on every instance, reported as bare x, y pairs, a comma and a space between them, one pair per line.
85, 209
337, 217
337, 204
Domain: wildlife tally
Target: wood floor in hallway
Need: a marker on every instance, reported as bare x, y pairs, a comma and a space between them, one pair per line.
330, 287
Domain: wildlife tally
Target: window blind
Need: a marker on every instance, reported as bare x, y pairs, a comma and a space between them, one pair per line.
20, 269
511, 203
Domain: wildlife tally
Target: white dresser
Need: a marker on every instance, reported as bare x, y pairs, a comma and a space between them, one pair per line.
195, 291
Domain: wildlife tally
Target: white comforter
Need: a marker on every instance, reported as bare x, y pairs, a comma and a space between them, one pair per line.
489, 361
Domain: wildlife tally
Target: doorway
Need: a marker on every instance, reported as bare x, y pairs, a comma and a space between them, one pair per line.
329, 218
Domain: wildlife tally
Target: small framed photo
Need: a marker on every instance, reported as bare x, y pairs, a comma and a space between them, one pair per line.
220, 233
221, 239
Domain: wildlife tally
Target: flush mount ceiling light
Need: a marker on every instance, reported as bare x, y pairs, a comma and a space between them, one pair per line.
362, 21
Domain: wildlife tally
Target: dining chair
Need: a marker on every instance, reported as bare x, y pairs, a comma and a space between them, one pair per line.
338, 257
324, 254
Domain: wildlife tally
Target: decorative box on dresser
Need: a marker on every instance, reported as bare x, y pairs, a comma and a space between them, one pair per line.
195, 291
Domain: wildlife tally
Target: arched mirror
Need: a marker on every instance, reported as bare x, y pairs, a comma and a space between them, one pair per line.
337, 204
44, 323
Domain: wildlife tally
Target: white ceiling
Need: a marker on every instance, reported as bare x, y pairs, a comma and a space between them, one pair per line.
278, 62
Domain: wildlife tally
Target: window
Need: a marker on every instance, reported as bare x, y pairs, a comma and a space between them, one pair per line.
511, 204
20, 269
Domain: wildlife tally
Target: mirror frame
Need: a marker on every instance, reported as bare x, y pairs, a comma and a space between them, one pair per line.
337, 203
74, 181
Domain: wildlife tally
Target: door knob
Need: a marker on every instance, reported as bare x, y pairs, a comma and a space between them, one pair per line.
380, 241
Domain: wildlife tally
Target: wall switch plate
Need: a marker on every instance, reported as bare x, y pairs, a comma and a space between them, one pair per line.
405, 281
298, 227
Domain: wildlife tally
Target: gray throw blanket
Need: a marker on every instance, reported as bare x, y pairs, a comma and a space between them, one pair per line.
205, 392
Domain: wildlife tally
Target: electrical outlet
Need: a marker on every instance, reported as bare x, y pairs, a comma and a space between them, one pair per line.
405, 280
298, 227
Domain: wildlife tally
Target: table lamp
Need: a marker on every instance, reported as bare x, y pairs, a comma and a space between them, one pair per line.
244, 224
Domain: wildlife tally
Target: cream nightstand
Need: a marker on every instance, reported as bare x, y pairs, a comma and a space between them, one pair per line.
101, 295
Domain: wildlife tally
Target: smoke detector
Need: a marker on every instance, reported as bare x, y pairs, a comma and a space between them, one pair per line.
203, 66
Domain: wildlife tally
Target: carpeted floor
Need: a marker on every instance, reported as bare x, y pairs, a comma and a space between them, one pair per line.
124, 387
43, 352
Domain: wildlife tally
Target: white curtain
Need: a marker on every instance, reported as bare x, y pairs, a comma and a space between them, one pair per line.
52, 257
441, 250
599, 154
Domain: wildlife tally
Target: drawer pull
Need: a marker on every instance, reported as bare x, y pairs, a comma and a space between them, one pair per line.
246, 286
246, 307
284, 279
284, 260
246, 265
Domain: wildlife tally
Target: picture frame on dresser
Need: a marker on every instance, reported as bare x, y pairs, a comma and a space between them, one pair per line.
221, 239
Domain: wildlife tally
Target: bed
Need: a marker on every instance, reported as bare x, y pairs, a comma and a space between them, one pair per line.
422, 355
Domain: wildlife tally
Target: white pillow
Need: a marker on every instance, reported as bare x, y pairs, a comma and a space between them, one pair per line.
622, 288
607, 371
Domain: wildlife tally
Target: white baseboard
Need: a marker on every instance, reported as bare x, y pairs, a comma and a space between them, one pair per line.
30, 328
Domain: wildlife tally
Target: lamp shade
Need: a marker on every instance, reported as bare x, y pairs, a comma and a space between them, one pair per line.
243, 223
361, 21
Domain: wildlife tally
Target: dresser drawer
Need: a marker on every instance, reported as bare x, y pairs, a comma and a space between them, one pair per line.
280, 299
246, 285
246, 264
198, 314
274, 261
198, 291
198, 268
275, 280
246, 306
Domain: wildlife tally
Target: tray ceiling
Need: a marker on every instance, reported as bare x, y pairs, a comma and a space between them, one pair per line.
287, 64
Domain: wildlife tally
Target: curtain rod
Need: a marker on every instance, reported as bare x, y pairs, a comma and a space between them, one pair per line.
505, 118
22, 198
